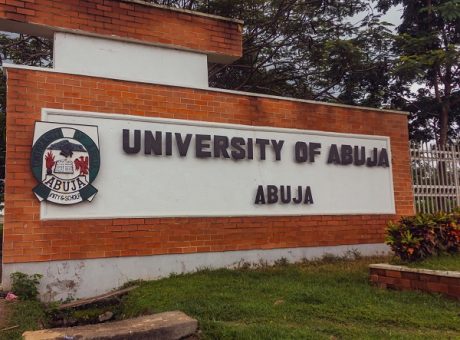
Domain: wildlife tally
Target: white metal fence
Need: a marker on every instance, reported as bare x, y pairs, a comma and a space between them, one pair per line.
435, 175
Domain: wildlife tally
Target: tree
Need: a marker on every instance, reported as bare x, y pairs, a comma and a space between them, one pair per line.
305, 49
428, 52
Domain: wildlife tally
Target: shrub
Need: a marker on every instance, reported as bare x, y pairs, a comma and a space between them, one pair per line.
418, 237
24, 285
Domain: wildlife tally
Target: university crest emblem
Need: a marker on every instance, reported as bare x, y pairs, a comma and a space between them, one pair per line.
65, 161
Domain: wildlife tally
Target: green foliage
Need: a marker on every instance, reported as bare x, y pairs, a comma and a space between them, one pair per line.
24, 285
419, 237
428, 55
303, 49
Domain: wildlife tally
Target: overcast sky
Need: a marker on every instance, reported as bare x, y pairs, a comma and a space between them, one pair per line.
393, 15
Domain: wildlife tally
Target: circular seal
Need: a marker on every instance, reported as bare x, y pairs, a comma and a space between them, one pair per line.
65, 161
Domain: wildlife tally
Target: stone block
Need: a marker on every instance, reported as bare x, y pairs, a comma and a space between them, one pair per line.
162, 326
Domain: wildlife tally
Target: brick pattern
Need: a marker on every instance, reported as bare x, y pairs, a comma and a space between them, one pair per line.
131, 20
408, 280
29, 239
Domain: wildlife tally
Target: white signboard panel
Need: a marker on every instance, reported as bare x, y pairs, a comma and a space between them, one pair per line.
186, 168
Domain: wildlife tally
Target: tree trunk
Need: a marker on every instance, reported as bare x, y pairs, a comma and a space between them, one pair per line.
443, 123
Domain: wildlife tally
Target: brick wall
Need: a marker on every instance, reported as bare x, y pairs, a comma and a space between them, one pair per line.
29, 239
396, 277
152, 24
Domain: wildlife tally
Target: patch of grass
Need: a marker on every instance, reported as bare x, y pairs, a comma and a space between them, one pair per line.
310, 300
443, 262
28, 315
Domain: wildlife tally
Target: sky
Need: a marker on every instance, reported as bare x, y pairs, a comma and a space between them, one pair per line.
393, 16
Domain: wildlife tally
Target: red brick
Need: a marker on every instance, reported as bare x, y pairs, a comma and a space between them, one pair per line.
428, 277
454, 290
450, 280
437, 287
393, 273
134, 21
410, 276
130, 237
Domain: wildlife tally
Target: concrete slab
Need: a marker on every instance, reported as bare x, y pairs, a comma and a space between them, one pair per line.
165, 326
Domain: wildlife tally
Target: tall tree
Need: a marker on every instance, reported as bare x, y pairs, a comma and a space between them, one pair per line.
309, 49
427, 70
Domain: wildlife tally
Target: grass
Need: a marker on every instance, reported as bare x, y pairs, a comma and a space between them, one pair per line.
443, 262
28, 315
313, 300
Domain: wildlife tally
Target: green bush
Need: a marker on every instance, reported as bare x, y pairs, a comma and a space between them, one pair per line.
24, 285
418, 237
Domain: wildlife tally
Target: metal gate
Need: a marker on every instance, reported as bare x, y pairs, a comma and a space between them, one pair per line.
435, 176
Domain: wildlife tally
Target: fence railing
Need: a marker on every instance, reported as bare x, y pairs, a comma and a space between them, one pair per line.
435, 175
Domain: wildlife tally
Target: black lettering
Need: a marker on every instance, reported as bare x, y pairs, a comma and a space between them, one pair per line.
183, 145
383, 159
57, 185
80, 183
220, 146
49, 182
272, 194
313, 151
260, 195
152, 143
334, 156
74, 187
201, 145
301, 152
262, 144
285, 194
277, 146
66, 186
238, 152
298, 199
250, 149
168, 144
359, 155
308, 196
372, 161
346, 153
137, 141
